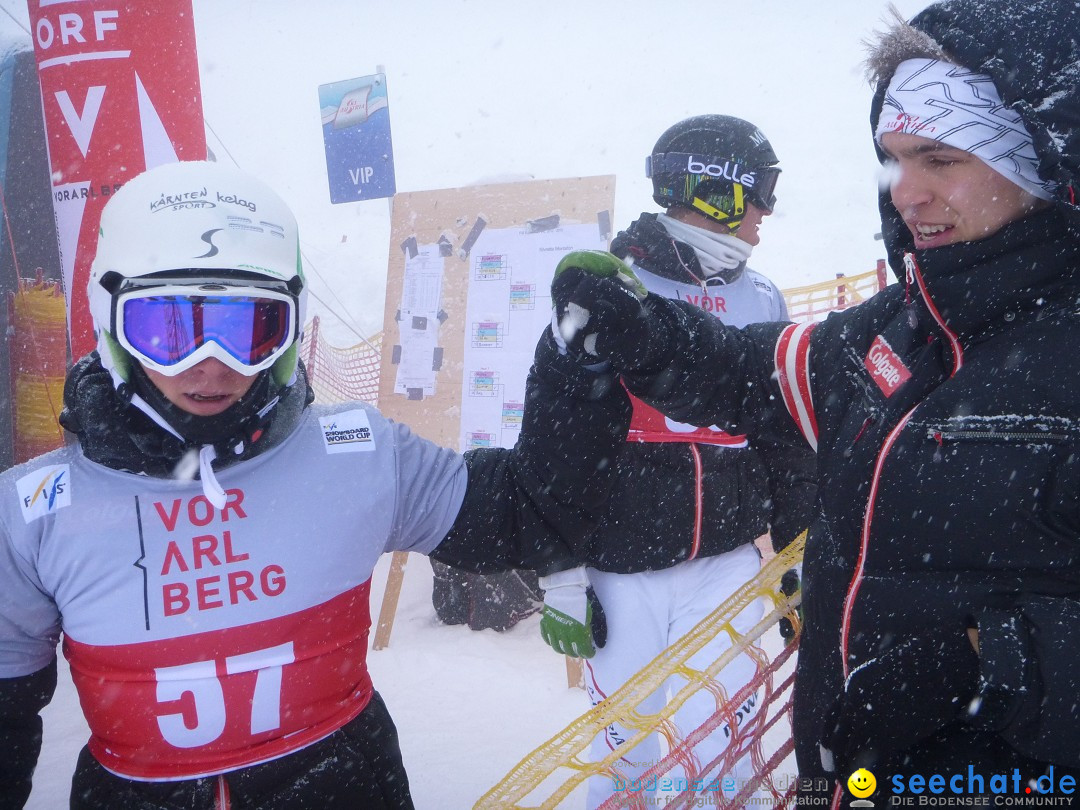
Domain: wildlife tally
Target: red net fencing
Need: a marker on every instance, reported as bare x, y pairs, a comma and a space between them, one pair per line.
341, 374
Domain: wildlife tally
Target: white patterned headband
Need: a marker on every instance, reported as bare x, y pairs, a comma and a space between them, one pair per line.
962, 109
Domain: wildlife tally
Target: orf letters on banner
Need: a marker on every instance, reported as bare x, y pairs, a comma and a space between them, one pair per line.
120, 91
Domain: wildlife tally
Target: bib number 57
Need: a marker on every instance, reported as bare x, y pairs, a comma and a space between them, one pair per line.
200, 680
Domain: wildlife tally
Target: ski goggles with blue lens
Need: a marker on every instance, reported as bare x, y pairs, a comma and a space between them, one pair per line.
724, 184
172, 328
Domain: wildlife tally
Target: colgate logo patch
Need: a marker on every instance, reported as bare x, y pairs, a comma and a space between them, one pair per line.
885, 367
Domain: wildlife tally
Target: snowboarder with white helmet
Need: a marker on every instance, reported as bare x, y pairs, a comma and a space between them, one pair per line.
206, 545
688, 502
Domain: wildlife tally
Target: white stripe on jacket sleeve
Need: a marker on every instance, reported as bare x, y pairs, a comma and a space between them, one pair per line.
792, 357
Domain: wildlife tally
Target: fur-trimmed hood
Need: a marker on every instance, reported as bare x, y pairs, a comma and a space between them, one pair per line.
1031, 49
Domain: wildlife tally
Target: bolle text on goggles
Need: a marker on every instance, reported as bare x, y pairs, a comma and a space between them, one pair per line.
724, 183
173, 327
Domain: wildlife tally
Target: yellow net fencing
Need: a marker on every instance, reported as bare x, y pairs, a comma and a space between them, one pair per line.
38, 355
548, 775
814, 301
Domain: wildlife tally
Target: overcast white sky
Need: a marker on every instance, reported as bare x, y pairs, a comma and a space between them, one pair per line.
486, 89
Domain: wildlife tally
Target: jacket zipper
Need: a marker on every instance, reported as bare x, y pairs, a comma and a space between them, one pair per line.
699, 500
940, 436
913, 273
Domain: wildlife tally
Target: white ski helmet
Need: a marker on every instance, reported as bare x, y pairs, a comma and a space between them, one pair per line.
197, 231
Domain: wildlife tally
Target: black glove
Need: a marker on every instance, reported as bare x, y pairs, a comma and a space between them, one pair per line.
790, 585
599, 313
912, 689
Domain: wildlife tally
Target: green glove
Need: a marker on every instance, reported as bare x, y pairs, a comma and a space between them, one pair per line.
603, 264
572, 622
598, 313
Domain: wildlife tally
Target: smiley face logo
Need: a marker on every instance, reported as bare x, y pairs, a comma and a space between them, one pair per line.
861, 783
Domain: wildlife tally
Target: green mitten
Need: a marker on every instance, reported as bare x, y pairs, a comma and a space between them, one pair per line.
603, 264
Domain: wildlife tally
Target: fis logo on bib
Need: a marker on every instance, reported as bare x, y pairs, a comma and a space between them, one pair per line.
348, 432
44, 491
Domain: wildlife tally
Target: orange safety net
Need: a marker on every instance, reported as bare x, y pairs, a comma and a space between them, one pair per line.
38, 347
341, 374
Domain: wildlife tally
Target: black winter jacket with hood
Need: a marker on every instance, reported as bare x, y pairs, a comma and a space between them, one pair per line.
676, 501
949, 463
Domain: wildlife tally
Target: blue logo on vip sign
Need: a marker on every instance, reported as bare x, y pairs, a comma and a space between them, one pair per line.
356, 136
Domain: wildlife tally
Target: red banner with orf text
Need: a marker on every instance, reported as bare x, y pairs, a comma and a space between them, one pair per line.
120, 92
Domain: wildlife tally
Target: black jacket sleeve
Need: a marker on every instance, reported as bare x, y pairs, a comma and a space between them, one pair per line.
740, 393
21, 700
792, 469
712, 373
528, 506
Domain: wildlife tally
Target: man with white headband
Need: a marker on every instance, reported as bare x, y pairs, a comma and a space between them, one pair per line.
689, 502
941, 644
206, 545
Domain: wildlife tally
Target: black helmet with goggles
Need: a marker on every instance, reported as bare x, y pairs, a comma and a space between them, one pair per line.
715, 164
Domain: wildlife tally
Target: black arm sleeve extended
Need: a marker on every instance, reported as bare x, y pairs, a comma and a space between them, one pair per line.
21, 701
717, 374
712, 373
792, 468
528, 506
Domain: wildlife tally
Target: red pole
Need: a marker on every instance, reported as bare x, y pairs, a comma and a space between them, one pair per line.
882, 275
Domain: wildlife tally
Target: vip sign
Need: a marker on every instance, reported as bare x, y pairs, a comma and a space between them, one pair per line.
120, 92
356, 136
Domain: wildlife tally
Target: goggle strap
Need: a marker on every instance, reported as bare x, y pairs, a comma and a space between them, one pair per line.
734, 220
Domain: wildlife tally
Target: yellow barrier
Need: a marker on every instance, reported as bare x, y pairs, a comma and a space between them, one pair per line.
564, 750
813, 302
38, 361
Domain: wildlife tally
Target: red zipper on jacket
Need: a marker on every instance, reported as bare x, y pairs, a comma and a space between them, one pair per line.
699, 500
222, 797
912, 271
913, 274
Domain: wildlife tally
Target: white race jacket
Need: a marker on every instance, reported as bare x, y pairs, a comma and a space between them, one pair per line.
204, 640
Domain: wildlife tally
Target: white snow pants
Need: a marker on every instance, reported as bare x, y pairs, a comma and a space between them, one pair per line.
646, 613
